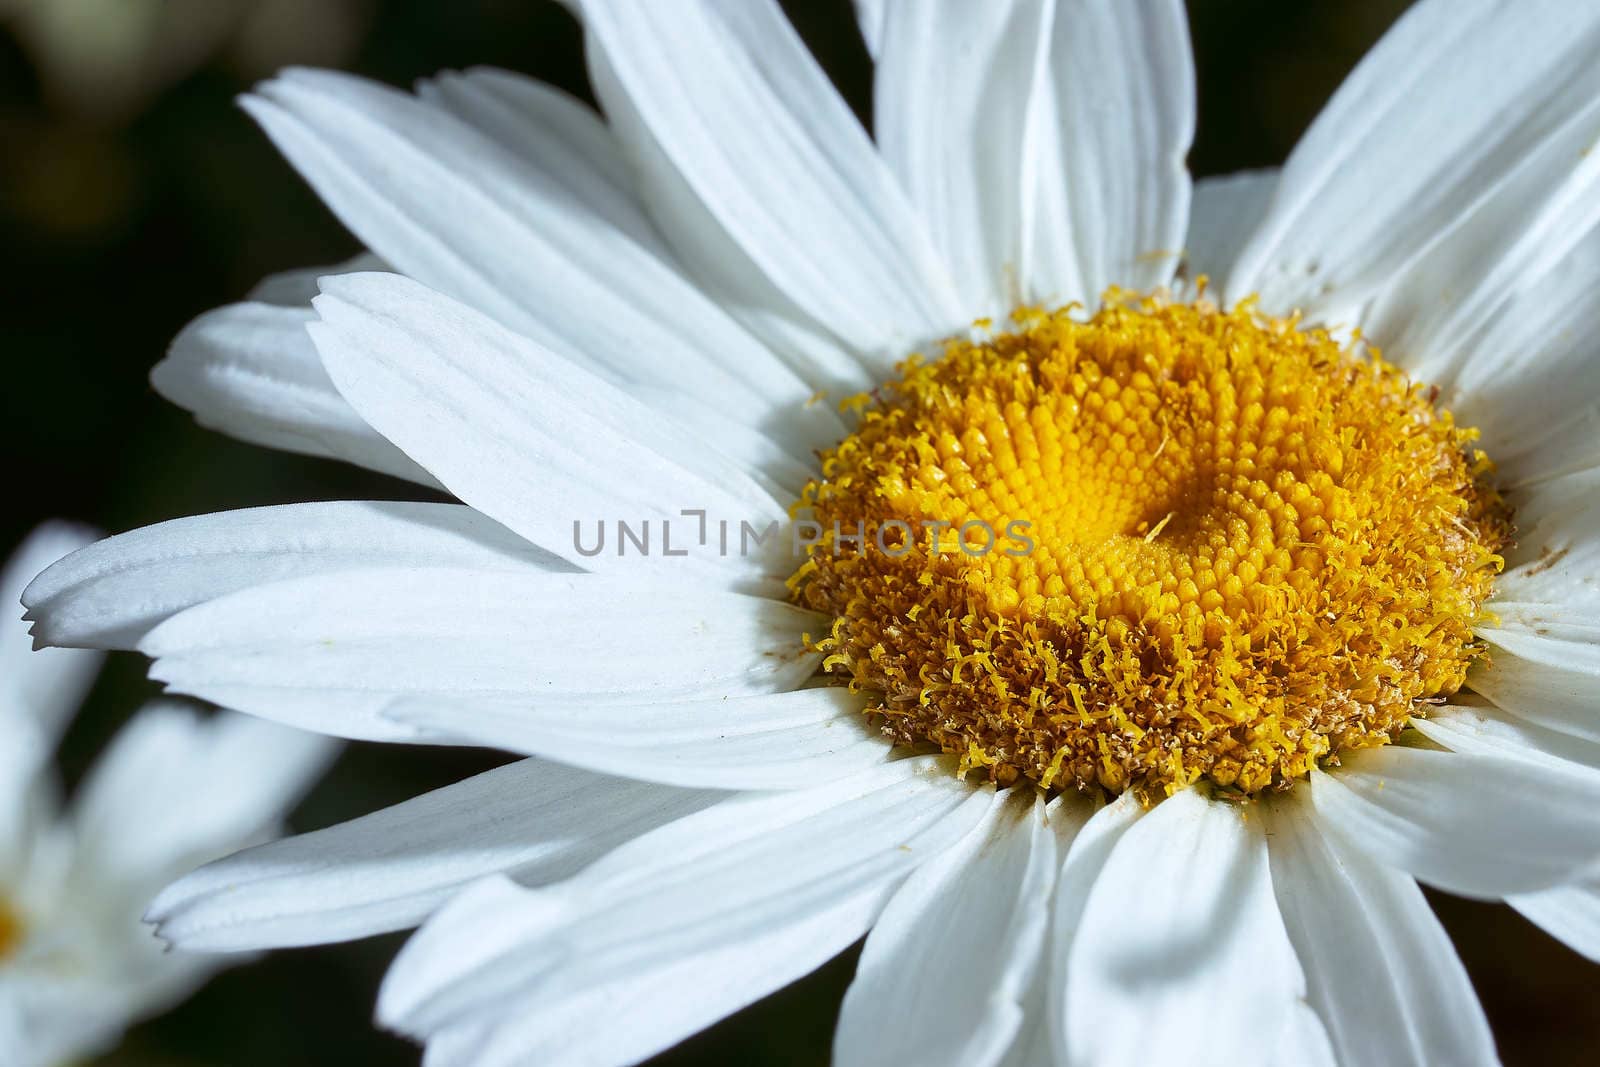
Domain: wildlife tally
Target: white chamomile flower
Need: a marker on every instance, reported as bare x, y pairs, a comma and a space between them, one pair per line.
1167, 821
172, 791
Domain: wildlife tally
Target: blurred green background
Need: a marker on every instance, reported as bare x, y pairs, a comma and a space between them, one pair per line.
134, 195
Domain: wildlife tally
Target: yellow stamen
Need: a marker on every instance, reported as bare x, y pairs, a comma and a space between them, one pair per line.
1223, 547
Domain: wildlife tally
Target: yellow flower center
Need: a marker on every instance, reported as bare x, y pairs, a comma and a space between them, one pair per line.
11, 930
1164, 544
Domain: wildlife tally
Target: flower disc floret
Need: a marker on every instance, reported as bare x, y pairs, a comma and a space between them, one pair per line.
1221, 546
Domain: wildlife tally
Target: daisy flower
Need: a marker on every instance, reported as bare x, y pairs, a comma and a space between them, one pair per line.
77, 966
1110, 595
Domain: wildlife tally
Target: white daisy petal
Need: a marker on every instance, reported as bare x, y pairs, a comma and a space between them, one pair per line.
1109, 187
1451, 318
1552, 579
462, 1046
1304, 1042
1543, 665
1552, 633
1483, 728
1033, 1042
1568, 913
956, 949
450, 207
1542, 692
175, 790
1532, 454
1380, 971
819, 355
329, 652
1091, 847
1362, 196
110, 594
526, 438
1225, 212
746, 868
40, 690
571, 144
952, 93
727, 115
49, 1019
1068, 816
28, 800
658, 1012
661, 1006
872, 17
776, 741
294, 288
533, 821
1180, 945
250, 371
1549, 640
1477, 825
782, 469
563, 137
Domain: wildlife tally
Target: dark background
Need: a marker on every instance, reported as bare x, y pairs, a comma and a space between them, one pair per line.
135, 195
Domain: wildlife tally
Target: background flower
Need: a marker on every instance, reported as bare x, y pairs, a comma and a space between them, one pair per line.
174, 788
